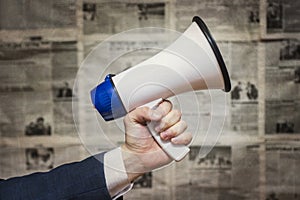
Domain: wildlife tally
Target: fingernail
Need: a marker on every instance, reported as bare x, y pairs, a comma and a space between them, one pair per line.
164, 135
174, 140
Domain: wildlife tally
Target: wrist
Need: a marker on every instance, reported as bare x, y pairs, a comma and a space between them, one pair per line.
133, 164
141, 161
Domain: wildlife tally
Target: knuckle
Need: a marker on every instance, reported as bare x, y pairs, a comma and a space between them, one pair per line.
177, 113
189, 138
168, 102
186, 141
144, 109
172, 133
164, 124
183, 125
166, 106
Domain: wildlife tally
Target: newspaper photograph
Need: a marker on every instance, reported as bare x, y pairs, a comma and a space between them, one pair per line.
218, 158
38, 127
282, 16
282, 52
282, 117
39, 158
290, 50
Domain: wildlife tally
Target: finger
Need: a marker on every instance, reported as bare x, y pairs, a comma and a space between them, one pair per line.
143, 115
167, 121
164, 107
184, 138
174, 131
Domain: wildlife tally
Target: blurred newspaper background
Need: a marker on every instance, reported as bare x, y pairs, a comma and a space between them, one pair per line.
42, 44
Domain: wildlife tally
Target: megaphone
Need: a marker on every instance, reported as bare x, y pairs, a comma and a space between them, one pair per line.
192, 62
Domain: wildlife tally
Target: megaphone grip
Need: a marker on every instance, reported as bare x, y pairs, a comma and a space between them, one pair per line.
175, 151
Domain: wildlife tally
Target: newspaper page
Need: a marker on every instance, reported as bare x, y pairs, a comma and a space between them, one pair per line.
209, 172
227, 20
64, 69
282, 87
245, 92
282, 164
25, 88
206, 177
225, 166
42, 157
154, 185
246, 173
41, 66
39, 58
282, 117
16, 15
52, 20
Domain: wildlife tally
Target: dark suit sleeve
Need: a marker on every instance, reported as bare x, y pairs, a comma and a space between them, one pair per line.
80, 180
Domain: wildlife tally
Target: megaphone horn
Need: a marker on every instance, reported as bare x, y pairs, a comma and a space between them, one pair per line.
192, 62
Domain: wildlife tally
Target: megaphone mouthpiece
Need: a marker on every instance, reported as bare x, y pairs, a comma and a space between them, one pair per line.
105, 97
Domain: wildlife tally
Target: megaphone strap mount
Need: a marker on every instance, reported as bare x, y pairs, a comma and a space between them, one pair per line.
211, 41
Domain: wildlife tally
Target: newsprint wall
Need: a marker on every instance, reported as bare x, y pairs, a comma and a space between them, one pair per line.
257, 156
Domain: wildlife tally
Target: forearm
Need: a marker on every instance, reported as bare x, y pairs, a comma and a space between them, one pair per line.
81, 180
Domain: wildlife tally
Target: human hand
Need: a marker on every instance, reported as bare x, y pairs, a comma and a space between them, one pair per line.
140, 152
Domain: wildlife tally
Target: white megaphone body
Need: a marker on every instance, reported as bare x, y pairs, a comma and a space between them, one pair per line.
192, 62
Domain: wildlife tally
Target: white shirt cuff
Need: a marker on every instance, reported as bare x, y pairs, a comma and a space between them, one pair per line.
115, 173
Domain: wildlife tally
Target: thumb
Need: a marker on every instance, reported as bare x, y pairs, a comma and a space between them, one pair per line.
143, 115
